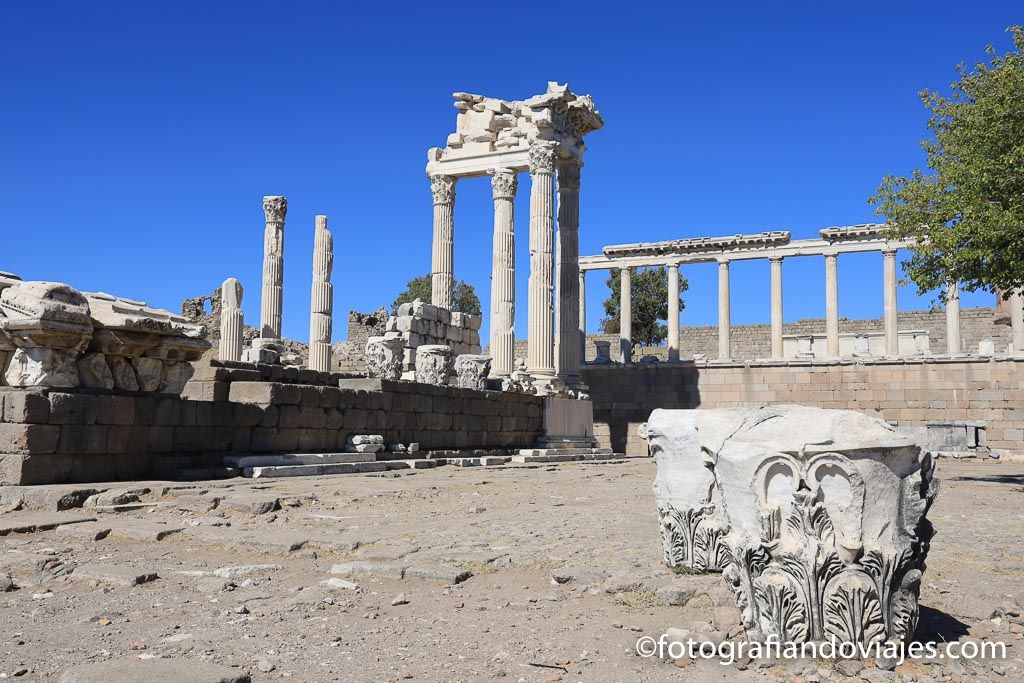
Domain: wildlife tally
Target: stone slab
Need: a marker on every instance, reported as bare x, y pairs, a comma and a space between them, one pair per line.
88, 531
154, 671
142, 529
118, 575
286, 459
29, 522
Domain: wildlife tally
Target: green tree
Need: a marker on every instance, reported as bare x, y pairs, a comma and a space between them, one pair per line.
649, 298
464, 297
967, 211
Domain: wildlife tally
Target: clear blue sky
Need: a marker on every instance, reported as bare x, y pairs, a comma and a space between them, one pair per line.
139, 138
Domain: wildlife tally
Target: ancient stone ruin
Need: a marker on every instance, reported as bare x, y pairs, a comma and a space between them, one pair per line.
817, 517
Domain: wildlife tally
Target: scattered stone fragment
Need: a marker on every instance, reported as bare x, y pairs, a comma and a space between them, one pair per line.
6, 583
264, 666
244, 570
115, 574
400, 599
341, 584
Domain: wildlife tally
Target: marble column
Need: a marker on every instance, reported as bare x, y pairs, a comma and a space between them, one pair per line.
673, 312
442, 278
274, 208
568, 360
540, 351
626, 315
321, 306
583, 317
952, 297
231, 320
1017, 322
890, 311
724, 313
504, 183
831, 306
776, 271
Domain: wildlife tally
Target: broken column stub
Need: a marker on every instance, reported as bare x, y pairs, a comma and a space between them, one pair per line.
826, 514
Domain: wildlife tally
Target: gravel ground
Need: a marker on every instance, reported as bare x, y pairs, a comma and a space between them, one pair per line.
455, 574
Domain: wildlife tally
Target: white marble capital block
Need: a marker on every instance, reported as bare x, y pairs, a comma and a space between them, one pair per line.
385, 356
434, 364
825, 509
472, 370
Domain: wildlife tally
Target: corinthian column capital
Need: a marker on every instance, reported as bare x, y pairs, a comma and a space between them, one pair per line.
504, 183
275, 207
542, 156
443, 188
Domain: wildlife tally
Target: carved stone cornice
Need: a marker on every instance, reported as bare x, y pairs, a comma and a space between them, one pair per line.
542, 156
504, 183
569, 174
275, 207
443, 189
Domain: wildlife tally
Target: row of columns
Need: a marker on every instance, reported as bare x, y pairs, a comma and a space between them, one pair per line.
554, 264
891, 332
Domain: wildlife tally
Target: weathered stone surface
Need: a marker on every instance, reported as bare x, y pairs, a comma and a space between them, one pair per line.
245, 570
433, 364
94, 371
154, 671
28, 522
116, 574
826, 513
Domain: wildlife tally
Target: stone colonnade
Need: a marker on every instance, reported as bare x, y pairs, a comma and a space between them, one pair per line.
555, 289
776, 246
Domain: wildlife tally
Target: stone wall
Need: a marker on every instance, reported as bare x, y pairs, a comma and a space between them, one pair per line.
350, 355
80, 435
754, 341
908, 392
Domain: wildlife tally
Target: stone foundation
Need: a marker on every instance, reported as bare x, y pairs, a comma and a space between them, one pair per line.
81, 435
908, 393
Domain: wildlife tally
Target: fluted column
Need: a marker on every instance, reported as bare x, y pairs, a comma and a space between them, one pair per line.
231, 320
274, 208
776, 270
831, 306
568, 362
952, 297
321, 305
504, 183
1017, 322
583, 317
724, 312
626, 315
442, 278
673, 311
890, 311
541, 306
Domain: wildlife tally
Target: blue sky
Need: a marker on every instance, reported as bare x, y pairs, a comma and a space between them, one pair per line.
139, 138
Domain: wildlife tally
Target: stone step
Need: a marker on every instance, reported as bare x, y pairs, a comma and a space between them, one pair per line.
566, 451
539, 455
285, 459
338, 468
485, 461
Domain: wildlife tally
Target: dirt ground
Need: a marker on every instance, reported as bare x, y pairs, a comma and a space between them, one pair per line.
564, 575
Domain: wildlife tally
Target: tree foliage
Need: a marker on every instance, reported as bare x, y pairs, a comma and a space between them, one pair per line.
967, 211
464, 297
649, 290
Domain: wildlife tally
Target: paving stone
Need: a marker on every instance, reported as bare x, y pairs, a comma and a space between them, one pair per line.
115, 574
274, 540
142, 529
377, 569
245, 570
256, 504
449, 575
29, 522
335, 583
154, 671
89, 531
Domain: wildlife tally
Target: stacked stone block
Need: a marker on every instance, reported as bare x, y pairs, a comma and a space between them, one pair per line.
424, 324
